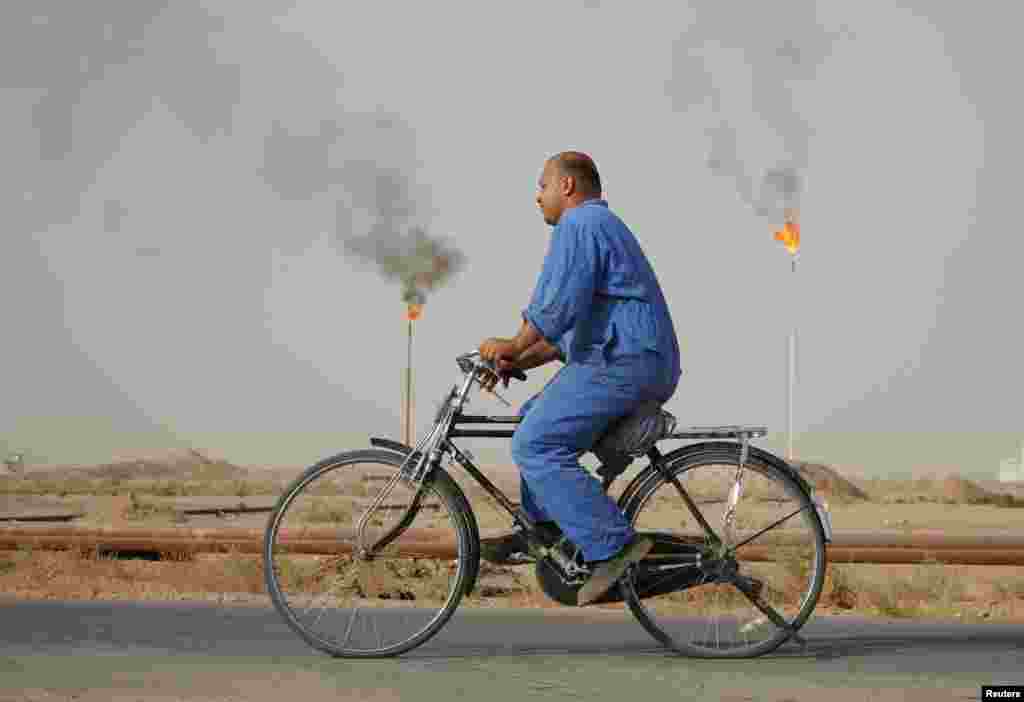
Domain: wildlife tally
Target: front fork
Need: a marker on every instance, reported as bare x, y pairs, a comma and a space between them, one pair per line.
414, 469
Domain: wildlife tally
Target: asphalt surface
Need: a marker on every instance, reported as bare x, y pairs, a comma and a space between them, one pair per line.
492, 654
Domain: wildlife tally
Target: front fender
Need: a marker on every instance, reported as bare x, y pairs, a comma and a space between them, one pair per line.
474, 528
389, 444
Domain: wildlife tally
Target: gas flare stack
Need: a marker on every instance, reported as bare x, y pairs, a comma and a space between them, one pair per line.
789, 235
412, 313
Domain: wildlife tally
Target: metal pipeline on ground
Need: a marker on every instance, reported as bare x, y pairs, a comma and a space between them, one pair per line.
849, 547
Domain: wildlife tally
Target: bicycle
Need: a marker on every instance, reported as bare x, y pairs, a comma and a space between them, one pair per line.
350, 550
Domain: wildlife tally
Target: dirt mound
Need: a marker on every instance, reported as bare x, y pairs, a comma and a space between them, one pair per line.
829, 483
184, 464
957, 491
951, 490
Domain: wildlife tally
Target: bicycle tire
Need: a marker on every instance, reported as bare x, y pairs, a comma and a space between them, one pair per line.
440, 484
760, 463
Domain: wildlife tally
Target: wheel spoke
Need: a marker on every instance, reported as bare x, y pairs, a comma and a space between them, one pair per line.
768, 528
376, 630
753, 593
708, 529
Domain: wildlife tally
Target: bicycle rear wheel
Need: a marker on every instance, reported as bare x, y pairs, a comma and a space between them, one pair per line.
367, 605
737, 606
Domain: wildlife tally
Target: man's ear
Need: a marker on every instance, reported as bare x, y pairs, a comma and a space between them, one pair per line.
568, 185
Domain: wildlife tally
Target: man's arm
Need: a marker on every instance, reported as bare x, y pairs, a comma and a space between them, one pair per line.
537, 355
527, 338
564, 292
527, 350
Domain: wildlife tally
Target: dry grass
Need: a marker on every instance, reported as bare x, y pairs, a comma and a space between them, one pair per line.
75, 575
244, 487
929, 590
142, 510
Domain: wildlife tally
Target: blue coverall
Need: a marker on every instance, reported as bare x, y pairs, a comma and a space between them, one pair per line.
597, 299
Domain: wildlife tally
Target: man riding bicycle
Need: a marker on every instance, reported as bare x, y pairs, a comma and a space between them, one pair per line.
597, 306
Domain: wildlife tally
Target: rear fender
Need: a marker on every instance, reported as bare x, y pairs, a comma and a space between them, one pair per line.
651, 472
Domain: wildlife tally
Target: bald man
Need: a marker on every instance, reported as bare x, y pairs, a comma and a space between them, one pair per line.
597, 306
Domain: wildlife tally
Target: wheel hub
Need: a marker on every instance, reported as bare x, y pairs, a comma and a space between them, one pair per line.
721, 568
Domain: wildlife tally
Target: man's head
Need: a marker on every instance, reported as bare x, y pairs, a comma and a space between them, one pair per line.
568, 179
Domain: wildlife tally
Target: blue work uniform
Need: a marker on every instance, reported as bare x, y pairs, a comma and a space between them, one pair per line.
597, 299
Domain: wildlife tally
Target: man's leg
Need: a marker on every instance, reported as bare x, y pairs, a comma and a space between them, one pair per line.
512, 549
575, 409
526, 499
530, 504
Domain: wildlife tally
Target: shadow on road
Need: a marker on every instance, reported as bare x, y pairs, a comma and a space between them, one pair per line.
829, 648
827, 638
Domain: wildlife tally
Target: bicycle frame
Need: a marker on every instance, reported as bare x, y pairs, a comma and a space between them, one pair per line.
450, 422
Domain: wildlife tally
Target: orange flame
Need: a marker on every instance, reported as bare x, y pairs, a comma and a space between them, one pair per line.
789, 235
413, 312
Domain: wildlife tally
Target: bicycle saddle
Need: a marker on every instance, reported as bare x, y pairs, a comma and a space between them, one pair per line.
636, 433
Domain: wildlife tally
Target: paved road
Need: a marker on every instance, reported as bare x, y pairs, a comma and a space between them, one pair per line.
196, 649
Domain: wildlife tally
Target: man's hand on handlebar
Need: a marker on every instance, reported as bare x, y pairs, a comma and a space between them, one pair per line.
488, 379
495, 349
501, 352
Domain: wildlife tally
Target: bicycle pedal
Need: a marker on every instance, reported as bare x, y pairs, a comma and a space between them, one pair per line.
519, 559
513, 559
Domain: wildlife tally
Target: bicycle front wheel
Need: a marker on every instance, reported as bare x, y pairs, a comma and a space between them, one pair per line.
338, 592
749, 593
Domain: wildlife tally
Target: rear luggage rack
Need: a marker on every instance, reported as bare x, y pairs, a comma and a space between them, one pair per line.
729, 431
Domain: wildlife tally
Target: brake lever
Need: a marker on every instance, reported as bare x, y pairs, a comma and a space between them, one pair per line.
478, 366
471, 363
503, 400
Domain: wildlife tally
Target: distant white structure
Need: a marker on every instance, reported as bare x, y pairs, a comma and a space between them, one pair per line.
15, 462
1012, 469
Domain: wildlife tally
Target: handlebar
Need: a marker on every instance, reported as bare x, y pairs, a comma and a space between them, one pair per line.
471, 362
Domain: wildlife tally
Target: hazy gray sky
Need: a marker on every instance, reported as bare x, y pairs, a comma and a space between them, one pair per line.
182, 184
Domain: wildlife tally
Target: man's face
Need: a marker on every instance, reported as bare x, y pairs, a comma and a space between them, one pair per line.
550, 196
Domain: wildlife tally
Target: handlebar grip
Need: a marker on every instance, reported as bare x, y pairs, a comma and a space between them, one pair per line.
514, 373
466, 364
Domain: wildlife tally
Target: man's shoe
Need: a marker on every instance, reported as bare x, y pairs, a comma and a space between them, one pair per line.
608, 572
512, 549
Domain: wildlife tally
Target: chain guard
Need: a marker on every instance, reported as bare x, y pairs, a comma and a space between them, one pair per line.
649, 575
